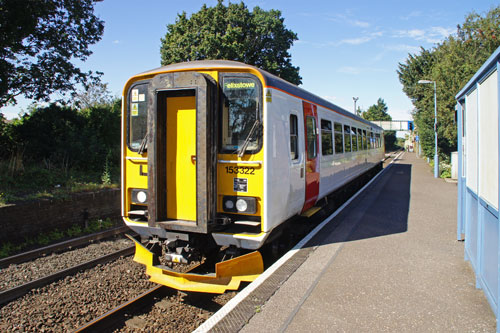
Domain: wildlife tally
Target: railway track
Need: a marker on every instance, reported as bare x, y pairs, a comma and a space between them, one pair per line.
72, 243
13, 293
110, 319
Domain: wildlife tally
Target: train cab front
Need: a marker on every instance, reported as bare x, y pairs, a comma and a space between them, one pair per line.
192, 176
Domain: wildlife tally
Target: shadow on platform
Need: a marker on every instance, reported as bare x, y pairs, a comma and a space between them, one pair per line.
380, 210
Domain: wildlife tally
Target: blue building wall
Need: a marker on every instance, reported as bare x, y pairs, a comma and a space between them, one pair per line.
479, 148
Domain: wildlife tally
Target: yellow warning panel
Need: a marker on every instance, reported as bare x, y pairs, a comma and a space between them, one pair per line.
181, 158
228, 274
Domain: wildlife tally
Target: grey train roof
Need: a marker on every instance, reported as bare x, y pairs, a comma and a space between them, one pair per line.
270, 81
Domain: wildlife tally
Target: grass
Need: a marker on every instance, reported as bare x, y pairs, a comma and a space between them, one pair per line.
56, 235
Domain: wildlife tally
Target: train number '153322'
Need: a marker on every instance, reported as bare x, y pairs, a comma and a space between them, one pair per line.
240, 170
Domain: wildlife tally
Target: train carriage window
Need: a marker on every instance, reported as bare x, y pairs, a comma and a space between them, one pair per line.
137, 115
241, 116
312, 150
372, 140
377, 136
347, 138
364, 140
354, 139
294, 133
360, 139
339, 141
326, 137
369, 140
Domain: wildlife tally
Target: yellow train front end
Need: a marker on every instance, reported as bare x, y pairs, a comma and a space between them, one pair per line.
193, 175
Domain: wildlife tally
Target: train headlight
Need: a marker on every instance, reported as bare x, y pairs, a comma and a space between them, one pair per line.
241, 205
139, 196
233, 204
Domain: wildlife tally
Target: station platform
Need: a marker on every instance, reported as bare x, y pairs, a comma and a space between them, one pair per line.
389, 261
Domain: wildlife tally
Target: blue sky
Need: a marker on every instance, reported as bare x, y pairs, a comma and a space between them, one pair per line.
345, 49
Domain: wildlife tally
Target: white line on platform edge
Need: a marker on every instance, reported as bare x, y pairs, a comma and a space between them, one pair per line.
219, 315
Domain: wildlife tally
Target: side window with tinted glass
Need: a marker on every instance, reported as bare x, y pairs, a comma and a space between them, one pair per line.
326, 137
312, 150
339, 142
294, 137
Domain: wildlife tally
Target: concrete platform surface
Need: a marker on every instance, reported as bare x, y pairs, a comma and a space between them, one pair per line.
391, 264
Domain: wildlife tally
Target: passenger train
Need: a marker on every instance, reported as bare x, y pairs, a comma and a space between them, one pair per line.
218, 155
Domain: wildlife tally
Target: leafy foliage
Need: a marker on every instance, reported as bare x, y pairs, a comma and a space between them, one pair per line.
450, 64
233, 33
38, 40
377, 111
57, 149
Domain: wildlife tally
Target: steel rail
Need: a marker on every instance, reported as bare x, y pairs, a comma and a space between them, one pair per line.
117, 315
72, 243
16, 292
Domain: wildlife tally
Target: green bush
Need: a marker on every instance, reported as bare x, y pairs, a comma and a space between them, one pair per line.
54, 150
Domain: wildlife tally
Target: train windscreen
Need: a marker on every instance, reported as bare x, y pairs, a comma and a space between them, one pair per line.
241, 123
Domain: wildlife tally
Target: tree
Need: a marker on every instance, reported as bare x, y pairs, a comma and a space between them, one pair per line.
450, 64
377, 111
92, 96
233, 33
38, 40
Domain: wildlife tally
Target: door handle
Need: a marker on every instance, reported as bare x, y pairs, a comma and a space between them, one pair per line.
302, 172
193, 158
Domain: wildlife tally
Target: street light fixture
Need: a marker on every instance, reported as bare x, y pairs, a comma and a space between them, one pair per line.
355, 99
436, 157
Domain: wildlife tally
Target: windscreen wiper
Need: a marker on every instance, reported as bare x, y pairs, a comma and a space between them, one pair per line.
144, 145
244, 146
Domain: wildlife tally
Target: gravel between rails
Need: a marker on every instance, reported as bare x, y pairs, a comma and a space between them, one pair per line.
15, 275
69, 303
181, 312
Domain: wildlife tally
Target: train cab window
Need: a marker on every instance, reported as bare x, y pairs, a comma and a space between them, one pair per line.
241, 116
360, 139
339, 141
312, 150
347, 138
326, 137
354, 139
137, 115
294, 133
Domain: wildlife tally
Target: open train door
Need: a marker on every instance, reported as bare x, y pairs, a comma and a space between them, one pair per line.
312, 161
182, 151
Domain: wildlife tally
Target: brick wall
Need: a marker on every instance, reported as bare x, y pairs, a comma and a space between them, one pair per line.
30, 218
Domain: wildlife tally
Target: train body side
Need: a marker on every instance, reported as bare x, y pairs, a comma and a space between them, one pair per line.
284, 176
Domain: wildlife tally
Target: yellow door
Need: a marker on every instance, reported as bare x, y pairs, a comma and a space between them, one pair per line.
181, 155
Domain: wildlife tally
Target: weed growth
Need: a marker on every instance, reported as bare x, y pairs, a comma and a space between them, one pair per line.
54, 236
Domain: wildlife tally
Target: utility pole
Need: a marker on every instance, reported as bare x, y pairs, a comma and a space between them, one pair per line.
355, 99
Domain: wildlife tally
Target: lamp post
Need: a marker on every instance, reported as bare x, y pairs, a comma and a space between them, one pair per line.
355, 99
436, 157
